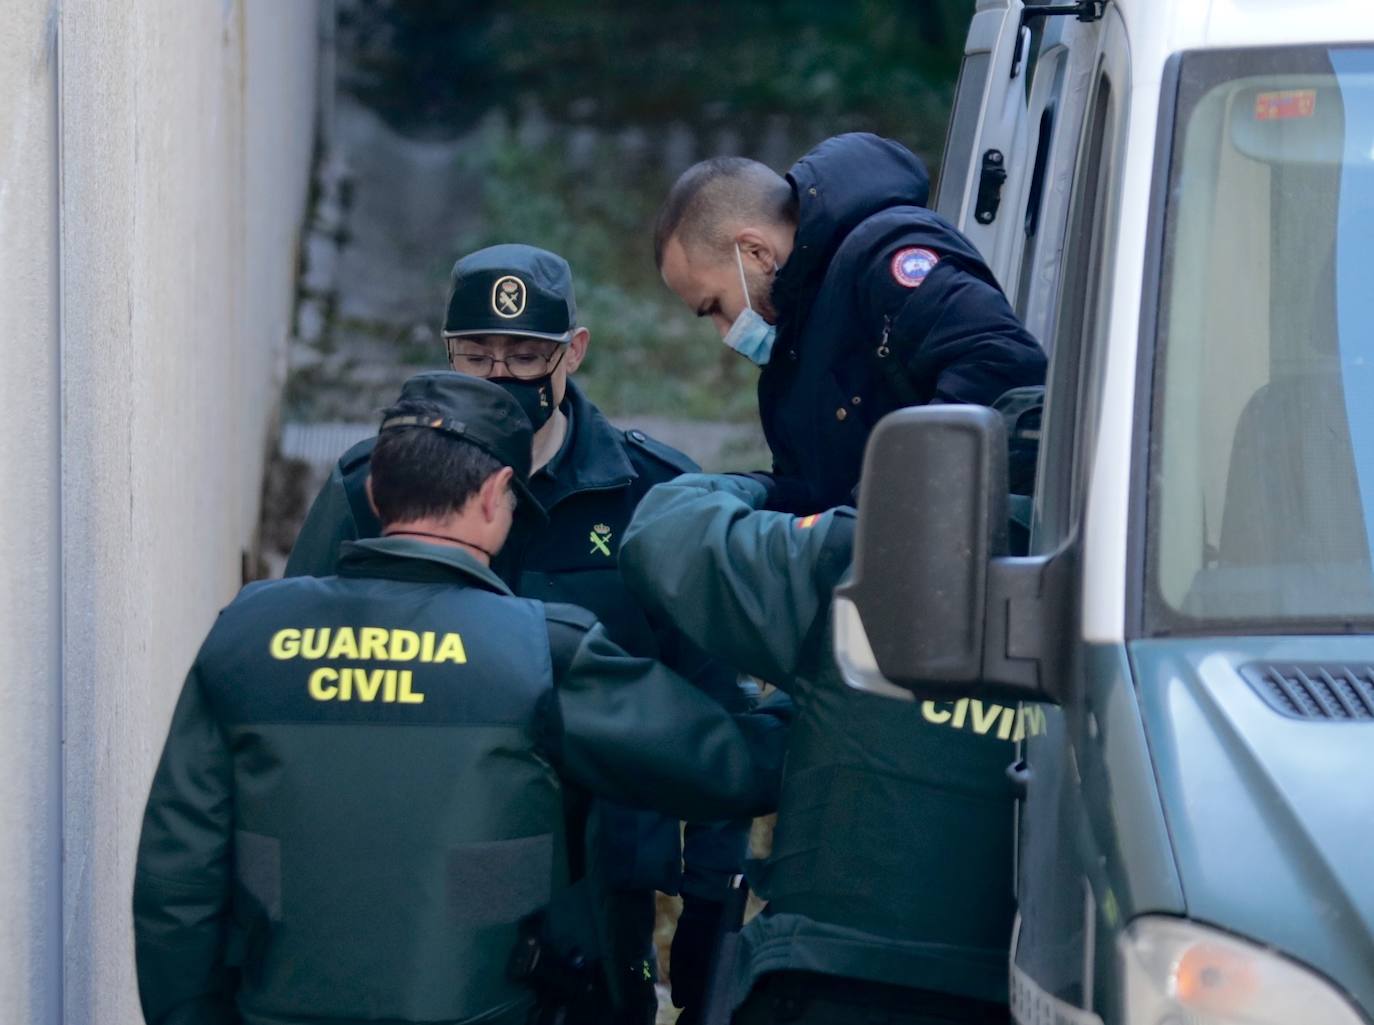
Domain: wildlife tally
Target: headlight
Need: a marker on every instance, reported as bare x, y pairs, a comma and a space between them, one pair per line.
1179, 973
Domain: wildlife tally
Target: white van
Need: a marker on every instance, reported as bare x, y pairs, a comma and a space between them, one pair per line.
1178, 196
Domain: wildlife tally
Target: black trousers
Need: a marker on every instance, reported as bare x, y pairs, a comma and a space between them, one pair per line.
806, 998
632, 958
623, 991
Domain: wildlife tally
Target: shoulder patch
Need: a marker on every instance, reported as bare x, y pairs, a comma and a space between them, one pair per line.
911, 265
665, 455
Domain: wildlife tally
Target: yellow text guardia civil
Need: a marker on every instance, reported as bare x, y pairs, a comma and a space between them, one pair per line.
367, 644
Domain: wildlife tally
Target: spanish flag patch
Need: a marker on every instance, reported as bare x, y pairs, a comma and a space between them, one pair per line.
807, 522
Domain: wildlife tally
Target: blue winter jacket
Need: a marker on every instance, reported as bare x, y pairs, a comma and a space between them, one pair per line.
881, 304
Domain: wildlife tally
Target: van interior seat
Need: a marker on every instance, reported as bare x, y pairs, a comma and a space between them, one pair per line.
1293, 508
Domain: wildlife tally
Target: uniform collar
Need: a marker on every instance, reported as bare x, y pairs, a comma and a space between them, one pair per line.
556, 466
405, 558
592, 457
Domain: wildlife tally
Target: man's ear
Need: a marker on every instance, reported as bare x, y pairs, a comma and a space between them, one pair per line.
577, 349
757, 248
372, 502
492, 494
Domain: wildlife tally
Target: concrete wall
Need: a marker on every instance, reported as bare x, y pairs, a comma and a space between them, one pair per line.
154, 160
30, 695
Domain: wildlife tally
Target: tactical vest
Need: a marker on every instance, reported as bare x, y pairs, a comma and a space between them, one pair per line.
394, 819
895, 822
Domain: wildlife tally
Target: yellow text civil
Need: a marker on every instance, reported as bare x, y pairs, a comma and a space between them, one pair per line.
393, 686
1004, 722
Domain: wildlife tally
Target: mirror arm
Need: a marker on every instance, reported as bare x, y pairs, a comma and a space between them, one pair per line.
1024, 635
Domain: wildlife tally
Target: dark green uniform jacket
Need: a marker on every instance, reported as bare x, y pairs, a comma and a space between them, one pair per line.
590, 490
360, 792
892, 857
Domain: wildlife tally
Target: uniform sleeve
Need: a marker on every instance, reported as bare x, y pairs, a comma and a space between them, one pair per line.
711, 853
954, 334
182, 877
739, 581
631, 730
656, 464
328, 524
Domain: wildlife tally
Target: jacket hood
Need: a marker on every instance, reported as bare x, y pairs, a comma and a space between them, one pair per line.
1271, 819
838, 185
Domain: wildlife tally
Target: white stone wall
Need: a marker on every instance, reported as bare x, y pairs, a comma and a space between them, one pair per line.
30, 766
154, 161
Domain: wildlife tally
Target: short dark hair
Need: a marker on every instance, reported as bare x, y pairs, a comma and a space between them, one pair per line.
419, 472
711, 194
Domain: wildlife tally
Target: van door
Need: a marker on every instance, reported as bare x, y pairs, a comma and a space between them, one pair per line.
1066, 55
987, 126
1062, 853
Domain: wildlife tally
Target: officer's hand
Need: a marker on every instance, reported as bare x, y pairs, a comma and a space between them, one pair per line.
780, 494
776, 704
752, 489
692, 951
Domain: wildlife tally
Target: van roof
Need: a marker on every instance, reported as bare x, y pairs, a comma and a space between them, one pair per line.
1160, 27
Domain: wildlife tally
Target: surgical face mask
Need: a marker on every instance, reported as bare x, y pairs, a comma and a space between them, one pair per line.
750, 335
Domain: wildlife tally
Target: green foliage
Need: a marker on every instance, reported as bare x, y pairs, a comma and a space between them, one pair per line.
814, 68
878, 63
882, 65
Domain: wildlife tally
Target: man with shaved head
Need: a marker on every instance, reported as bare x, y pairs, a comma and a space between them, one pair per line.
852, 297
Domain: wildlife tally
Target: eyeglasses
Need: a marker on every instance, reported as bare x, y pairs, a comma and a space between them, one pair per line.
520, 365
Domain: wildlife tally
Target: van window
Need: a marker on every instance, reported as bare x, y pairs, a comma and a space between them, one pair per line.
1261, 500
1035, 204
1071, 362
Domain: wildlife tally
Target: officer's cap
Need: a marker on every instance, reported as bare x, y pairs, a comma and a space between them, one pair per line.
479, 412
511, 290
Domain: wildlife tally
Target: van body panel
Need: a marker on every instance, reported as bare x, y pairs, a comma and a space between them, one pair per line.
1271, 817
1063, 79
1161, 28
1120, 790
1095, 852
1109, 473
1277, 23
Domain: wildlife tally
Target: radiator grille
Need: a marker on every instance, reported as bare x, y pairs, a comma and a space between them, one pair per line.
1315, 691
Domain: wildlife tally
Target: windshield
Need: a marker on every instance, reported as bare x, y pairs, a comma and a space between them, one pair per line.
1262, 444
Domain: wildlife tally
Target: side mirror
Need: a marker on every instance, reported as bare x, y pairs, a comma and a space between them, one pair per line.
933, 606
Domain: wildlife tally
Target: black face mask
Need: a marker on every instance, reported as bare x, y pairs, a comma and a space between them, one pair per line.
535, 397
